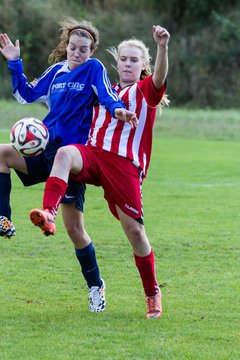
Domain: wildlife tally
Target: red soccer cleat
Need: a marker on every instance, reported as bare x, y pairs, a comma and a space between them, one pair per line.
43, 219
154, 306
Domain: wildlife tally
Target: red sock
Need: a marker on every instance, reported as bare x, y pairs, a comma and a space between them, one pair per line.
146, 268
54, 191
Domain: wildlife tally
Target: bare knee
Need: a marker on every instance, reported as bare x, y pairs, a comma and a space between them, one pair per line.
78, 236
73, 230
138, 239
10, 158
74, 225
136, 232
63, 156
68, 157
76, 231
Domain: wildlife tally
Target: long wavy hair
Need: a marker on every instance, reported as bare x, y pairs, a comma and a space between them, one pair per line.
67, 27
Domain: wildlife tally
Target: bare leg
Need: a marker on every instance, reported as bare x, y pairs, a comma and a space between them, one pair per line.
144, 259
10, 158
74, 224
135, 233
68, 159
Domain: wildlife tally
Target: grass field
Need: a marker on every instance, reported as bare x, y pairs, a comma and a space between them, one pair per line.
191, 205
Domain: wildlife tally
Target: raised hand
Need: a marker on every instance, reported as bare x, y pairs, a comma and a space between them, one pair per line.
160, 35
8, 49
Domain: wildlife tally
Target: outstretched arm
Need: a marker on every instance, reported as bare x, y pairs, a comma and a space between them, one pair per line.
8, 49
161, 37
126, 115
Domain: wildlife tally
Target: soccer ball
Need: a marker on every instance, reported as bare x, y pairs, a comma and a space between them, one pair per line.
29, 136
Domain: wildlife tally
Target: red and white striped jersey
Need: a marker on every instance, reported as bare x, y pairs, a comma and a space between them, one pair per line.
118, 136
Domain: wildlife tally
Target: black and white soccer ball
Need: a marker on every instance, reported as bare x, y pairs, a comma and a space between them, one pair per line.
29, 136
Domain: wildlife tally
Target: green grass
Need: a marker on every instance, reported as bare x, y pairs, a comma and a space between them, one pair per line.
204, 124
11, 111
191, 206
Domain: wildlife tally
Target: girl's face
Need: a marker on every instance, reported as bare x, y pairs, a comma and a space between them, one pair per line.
78, 51
129, 65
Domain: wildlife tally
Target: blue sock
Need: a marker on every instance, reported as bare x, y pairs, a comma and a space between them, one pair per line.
5, 189
89, 266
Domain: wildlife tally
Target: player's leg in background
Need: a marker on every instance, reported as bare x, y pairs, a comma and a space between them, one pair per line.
9, 158
85, 253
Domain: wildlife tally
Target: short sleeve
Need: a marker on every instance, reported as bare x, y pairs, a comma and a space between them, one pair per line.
152, 95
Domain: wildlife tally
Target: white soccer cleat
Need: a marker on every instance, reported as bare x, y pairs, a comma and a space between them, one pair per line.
97, 300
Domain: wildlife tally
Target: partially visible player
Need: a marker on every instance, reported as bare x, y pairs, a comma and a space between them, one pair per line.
117, 156
69, 87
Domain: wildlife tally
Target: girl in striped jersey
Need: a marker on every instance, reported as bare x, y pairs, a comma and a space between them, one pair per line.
117, 155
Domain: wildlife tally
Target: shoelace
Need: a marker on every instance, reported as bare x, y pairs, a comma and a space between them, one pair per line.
151, 304
95, 293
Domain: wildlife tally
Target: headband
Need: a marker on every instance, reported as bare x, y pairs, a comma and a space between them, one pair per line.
84, 31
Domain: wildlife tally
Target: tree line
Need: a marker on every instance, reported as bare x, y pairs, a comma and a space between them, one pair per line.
204, 51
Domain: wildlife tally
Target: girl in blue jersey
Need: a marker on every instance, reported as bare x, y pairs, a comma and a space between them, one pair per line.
69, 87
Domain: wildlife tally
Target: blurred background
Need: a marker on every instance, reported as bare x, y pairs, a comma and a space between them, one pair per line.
204, 49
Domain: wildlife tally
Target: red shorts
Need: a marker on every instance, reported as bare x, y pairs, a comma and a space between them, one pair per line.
120, 179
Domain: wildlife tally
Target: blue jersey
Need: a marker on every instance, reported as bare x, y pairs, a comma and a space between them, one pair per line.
69, 94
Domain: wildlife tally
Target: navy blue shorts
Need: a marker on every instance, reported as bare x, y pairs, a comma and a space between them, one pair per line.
39, 168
